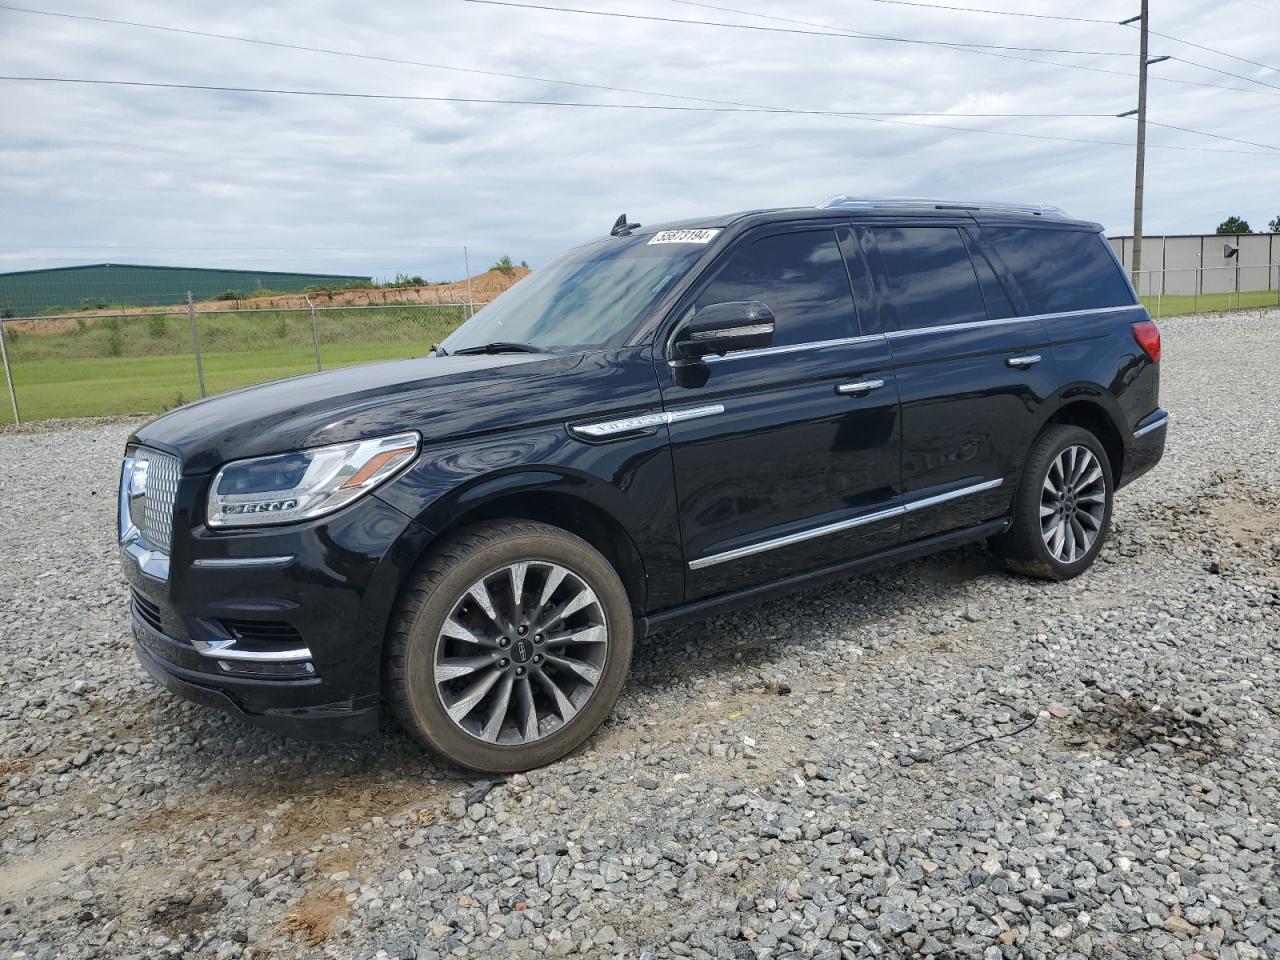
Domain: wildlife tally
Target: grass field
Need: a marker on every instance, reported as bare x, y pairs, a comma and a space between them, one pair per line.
145, 364
132, 365
1174, 306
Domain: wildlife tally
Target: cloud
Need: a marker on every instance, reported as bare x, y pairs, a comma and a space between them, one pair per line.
366, 186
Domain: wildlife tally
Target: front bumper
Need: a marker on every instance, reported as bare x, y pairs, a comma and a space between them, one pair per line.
295, 644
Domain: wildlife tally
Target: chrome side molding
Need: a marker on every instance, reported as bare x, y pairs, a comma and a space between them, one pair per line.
912, 505
814, 532
605, 429
1142, 432
231, 563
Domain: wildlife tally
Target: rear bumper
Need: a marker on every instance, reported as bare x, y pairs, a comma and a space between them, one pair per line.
250, 700
1146, 445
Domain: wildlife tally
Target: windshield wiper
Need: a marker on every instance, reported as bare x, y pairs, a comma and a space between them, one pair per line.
499, 346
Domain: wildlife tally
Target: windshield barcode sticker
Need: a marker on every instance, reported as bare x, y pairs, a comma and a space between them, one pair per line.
684, 236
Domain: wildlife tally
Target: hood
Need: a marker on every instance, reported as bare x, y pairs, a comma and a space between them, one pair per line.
437, 396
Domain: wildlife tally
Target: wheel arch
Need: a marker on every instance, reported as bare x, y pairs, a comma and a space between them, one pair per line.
1093, 416
549, 497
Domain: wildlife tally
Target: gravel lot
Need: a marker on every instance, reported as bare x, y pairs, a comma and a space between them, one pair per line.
939, 759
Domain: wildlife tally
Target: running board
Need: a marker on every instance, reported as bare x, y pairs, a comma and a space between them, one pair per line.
701, 609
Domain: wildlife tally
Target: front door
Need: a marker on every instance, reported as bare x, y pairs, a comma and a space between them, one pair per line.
786, 458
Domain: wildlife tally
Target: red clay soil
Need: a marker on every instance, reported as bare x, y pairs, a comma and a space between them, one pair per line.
480, 289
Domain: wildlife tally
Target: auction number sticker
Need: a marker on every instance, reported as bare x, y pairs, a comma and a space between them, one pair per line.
684, 236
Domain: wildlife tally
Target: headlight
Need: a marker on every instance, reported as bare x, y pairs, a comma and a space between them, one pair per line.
309, 483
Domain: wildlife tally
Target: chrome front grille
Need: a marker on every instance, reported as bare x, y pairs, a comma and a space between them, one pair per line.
161, 493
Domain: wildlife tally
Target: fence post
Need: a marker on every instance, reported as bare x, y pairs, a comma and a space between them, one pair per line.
471, 300
1160, 294
8, 373
195, 340
315, 335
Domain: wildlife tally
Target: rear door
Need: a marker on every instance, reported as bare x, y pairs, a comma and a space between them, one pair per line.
973, 378
786, 458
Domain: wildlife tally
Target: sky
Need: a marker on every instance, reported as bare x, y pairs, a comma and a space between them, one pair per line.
94, 174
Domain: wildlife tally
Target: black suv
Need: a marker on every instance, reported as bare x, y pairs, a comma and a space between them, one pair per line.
657, 426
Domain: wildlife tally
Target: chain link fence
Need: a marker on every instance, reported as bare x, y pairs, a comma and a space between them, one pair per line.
148, 362
95, 363
1174, 292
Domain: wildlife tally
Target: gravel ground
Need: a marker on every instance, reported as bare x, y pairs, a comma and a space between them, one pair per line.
939, 759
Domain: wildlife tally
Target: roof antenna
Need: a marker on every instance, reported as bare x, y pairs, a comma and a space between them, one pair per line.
621, 228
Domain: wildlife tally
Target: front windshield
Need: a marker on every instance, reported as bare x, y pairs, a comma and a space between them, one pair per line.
587, 297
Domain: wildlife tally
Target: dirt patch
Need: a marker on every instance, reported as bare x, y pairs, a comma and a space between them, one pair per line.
21, 877
313, 916
1131, 725
182, 914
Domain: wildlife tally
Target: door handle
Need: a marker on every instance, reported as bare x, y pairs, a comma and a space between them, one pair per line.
859, 389
1023, 362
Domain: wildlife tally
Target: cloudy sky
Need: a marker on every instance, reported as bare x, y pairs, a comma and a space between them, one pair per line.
100, 173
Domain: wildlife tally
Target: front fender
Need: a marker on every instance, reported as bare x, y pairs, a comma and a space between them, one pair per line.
629, 481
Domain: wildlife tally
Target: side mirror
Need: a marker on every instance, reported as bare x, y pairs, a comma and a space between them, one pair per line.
721, 327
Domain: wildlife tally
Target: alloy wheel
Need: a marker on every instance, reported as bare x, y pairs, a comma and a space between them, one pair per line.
1073, 503
521, 652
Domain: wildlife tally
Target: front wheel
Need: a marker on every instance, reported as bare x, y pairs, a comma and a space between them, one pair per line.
510, 646
1062, 509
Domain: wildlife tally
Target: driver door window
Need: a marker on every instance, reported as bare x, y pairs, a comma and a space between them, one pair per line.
801, 276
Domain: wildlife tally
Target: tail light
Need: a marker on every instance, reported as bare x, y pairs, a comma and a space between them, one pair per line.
1148, 336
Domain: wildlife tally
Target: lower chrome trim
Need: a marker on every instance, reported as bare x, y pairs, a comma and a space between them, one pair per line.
230, 563
227, 650
1162, 422
913, 505
830, 528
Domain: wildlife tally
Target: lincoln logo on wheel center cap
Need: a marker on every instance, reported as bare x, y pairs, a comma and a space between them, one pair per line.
521, 650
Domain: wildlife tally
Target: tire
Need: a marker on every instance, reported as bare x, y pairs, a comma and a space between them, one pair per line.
459, 628
1078, 487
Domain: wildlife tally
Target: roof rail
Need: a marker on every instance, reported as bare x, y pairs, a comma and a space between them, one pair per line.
866, 203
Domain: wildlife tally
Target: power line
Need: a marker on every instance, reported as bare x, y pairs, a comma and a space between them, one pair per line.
827, 32
1258, 6
1215, 136
940, 6
1015, 13
1221, 53
962, 48
742, 108
873, 117
539, 79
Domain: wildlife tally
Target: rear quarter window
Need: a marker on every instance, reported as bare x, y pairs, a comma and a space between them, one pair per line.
1060, 270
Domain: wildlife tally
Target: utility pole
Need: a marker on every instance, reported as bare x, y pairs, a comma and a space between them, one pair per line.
1141, 162
1139, 172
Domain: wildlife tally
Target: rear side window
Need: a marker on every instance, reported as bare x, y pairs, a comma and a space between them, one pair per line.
802, 278
1060, 270
931, 278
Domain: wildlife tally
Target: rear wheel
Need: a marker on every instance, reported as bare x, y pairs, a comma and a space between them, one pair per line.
1062, 509
510, 646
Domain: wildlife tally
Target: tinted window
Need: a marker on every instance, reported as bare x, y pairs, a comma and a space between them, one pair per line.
1060, 270
998, 304
801, 276
930, 276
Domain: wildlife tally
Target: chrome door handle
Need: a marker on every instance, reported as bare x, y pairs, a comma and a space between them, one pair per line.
859, 389
1023, 362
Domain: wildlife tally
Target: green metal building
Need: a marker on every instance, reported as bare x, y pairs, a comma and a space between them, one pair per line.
28, 293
